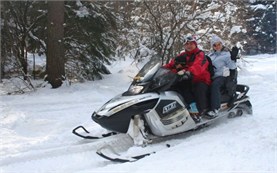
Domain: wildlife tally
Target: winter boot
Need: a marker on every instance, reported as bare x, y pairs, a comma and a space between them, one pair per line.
212, 114
196, 118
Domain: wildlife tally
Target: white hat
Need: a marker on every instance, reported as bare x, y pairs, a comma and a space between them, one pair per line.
216, 39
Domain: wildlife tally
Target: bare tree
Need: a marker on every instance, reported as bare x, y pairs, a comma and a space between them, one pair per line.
55, 47
161, 25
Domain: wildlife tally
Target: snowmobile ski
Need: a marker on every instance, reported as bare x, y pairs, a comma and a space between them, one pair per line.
107, 152
74, 131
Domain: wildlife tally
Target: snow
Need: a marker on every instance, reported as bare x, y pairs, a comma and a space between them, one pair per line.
40, 60
259, 6
236, 29
36, 127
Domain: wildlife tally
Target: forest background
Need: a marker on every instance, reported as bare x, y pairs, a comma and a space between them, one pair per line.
77, 39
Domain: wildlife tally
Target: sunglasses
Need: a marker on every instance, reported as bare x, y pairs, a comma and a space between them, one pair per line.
189, 38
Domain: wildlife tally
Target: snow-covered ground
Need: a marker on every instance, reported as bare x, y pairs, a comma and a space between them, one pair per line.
35, 129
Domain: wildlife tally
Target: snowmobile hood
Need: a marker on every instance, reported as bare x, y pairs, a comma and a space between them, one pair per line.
121, 102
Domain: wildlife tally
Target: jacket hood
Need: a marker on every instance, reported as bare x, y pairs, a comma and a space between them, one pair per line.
216, 39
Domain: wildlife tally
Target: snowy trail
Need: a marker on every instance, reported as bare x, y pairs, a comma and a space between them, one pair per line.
36, 127
64, 154
120, 142
83, 152
85, 149
36, 136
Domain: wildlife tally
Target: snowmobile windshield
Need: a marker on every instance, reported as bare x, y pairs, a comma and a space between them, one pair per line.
163, 79
152, 77
148, 70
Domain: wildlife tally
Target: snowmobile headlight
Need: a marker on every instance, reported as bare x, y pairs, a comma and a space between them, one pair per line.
135, 89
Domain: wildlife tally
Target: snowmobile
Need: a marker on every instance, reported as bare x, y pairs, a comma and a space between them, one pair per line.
150, 109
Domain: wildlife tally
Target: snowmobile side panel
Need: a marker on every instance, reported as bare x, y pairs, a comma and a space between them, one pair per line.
170, 118
121, 102
119, 121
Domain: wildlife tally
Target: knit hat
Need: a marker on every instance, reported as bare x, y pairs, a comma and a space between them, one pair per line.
216, 39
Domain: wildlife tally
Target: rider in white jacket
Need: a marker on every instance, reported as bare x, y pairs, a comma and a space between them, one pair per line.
221, 60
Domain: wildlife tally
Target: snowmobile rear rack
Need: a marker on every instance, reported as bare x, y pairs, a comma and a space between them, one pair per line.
74, 131
243, 89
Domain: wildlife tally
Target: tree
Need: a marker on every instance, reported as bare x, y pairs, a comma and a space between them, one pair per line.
90, 37
55, 44
261, 22
161, 25
19, 30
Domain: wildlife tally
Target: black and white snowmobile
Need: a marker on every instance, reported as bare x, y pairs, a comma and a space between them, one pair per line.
149, 109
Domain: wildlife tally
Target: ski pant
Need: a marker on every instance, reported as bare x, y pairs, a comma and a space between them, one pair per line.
217, 84
191, 92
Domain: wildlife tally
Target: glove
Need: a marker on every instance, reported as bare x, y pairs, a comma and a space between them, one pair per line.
180, 60
186, 75
233, 74
231, 82
181, 72
234, 53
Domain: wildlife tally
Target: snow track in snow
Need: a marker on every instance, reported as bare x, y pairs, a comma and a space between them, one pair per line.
66, 155
84, 153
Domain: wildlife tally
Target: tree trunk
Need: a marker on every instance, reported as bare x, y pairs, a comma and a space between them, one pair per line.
1, 68
55, 46
23, 56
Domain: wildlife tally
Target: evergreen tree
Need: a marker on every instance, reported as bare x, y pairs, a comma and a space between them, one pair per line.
89, 36
262, 27
22, 29
89, 39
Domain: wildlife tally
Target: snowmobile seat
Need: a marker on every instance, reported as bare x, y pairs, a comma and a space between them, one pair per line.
239, 93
